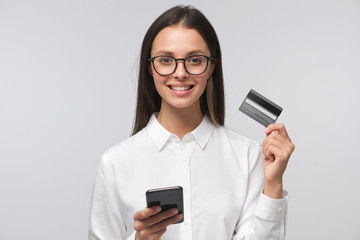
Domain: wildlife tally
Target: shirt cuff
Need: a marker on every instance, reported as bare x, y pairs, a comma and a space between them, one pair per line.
273, 210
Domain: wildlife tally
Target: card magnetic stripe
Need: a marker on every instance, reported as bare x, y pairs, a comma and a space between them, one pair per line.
264, 102
256, 114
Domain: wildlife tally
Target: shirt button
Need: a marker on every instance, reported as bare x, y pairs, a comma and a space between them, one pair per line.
280, 209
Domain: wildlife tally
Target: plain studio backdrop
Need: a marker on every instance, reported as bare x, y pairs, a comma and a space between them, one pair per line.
68, 77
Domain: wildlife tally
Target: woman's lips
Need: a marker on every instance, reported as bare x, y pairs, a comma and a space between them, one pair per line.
180, 88
180, 91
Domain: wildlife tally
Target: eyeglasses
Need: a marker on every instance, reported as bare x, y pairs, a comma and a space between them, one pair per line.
194, 64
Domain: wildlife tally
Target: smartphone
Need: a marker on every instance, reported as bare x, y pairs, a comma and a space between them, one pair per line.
166, 198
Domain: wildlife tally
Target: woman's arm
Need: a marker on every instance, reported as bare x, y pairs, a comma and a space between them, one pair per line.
277, 148
264, 212
106, 222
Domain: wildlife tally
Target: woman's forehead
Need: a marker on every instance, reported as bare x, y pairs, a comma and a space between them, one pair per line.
181, 40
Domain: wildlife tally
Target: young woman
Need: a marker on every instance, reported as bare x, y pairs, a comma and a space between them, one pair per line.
232, 186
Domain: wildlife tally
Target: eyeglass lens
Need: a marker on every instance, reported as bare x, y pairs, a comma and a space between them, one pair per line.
166, 65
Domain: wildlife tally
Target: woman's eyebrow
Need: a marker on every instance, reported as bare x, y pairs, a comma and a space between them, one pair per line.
195, 52
164, 52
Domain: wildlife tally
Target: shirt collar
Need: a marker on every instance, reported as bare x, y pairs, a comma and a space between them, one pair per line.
160, 135
203, 132
157, 132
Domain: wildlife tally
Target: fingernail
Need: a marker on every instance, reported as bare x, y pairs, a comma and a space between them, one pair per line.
157, 209
180, 216
266, 129
174, 211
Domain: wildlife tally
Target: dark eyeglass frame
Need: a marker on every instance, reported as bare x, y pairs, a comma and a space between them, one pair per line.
181, 59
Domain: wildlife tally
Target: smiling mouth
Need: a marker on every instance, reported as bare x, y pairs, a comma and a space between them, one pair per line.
181, 88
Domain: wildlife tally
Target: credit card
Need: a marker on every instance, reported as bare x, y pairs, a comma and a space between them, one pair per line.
260, 108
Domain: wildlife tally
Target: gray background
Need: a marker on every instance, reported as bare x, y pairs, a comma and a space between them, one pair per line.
68, 87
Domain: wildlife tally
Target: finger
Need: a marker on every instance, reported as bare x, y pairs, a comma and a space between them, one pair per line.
147, 212
146, 234
279, 127
164, 223
272, 153
159, 227
268, 157
161, 216
154, 219
272, 141
279, 151
273, 137
276, 139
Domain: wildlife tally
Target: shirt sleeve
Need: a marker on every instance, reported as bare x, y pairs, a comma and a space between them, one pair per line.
262, 217
106, 222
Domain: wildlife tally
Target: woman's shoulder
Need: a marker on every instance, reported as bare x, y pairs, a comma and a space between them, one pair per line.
243, 147
240, 144
124, 147
237, 138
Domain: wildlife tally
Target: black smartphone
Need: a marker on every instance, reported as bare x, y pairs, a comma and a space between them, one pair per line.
166, 198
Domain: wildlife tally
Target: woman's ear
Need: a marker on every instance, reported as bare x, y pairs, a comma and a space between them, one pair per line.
212, 66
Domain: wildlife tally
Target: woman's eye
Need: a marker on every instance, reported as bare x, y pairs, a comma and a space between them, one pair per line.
165, 60
195, 60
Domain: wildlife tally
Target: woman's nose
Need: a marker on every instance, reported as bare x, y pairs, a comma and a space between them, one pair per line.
180, 71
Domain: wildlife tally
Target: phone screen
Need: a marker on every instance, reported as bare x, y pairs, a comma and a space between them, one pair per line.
166, 198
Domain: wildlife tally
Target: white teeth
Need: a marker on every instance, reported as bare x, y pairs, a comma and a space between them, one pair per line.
180, 88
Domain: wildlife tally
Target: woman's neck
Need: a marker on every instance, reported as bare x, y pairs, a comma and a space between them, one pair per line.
180, 121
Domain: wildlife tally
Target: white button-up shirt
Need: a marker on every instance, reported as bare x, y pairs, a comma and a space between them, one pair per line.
221, 174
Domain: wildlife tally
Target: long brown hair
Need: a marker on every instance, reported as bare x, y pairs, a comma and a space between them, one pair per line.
212, 101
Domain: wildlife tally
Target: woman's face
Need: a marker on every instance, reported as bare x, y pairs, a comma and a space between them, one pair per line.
180, 89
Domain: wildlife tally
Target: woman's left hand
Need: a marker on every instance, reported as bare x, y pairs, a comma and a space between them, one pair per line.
277, 148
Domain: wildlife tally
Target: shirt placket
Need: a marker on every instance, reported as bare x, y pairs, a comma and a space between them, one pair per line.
185, 147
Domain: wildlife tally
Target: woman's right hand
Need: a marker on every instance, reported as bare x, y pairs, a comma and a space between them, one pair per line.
150, 223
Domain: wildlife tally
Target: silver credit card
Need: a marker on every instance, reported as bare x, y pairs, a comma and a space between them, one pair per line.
260, 108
